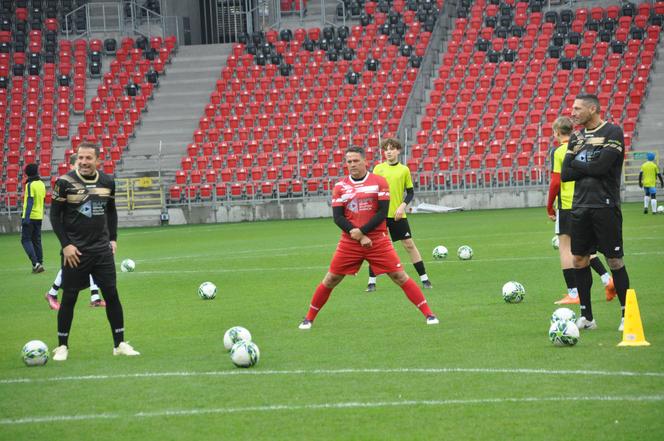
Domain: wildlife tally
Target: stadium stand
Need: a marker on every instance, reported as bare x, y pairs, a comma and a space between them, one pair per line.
510, 70
289, 102
43, 79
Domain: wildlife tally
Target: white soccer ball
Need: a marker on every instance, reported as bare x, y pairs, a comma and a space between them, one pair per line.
245, 354
563, 315
234, 335
465, 252
555, 242
35, 353
207, 291
439, 253
563, 333
128, 266
513, 292
660, 209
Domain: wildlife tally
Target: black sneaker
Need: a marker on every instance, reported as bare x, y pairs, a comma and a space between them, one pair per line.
371, 287
426, 284
645, 211
37, 268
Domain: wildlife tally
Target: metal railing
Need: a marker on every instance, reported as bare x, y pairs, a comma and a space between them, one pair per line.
138, 193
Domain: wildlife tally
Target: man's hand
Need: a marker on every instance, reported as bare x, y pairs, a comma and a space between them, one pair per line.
25, 221
366, 242
398, 215
356, 234
114, 246
70, 254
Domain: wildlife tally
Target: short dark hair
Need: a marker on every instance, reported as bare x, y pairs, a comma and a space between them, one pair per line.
89, 145
355, 149
387, 142
589, 98
73, 158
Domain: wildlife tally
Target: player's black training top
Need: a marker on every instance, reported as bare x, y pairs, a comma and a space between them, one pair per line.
594, 160
83, 211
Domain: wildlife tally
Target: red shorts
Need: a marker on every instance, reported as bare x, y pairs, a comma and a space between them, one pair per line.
349, 256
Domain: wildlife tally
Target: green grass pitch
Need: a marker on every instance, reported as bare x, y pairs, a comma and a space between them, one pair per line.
370, 369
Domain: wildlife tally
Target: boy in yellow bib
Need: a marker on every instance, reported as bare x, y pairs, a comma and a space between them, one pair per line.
648, 182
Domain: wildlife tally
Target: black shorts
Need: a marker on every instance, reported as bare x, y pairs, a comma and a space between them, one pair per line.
399, 230
563, 222
101, 265
597, 229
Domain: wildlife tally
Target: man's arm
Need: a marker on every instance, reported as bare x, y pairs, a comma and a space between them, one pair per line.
57, 222
598, 167
28, 207
568, 173
376, 219
641, 179
554, 189
661, 181
112, 219
341, 220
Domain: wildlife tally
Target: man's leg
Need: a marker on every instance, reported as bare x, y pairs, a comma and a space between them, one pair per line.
95, 298
653, 201
26, 241
584, 283
620, 279
320, 297
65, 318
36, 241
646, 199
607, 281
414, 294
418, 263
567, 266
371, 284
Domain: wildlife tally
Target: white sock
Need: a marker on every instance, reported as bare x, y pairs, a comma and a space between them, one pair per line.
94, 297
93, 285
424, 277
53, 292
372, 281
58, 279
605, 278
573, 292
645, 201
653, 205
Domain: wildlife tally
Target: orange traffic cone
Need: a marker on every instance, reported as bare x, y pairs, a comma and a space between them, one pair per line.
633, 329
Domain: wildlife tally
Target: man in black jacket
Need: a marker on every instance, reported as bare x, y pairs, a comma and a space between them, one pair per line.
594, 159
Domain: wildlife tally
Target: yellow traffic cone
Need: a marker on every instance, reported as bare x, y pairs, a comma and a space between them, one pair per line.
633, 329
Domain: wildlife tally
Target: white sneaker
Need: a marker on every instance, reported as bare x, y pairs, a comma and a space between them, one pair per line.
583, 323
432, 320
621, 328
305, 325
125, 348
60, 353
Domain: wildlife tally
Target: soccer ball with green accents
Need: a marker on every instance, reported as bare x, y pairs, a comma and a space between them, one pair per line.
35, 353
234, 335
563, 333
439, 253
660, 209
555, 242
513, 292
245, 354
207, 291
563, 315
127, 266
465, 252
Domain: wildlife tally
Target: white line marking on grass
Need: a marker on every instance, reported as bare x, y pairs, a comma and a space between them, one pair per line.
340, 405
236, 372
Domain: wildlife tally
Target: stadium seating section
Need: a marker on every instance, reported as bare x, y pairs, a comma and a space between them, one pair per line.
288, 102
508, 72
43, 81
